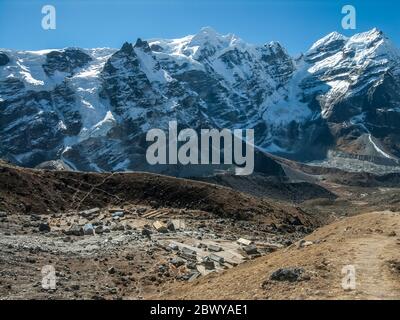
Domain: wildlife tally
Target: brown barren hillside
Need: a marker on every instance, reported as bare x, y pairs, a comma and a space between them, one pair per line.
369, 242
43, 191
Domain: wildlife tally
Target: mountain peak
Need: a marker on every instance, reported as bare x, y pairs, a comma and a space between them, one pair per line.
332, 37
368, 36
275, 46
209, 35
206, 34
374, 43
208, 31
127, 48
144, 45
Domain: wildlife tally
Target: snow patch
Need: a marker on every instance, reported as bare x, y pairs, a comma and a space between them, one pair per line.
378, 149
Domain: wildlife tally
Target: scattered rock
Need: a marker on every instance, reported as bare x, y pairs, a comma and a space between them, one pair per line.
295, 221
88, 229
74, 230
170, 226
114, 210
146, 232
162, 268
89, 213
287, 274
217, 258
214, 248
188, 252
106, 229
129, 257
304, 243
118, 214
193, 276
112, 290
208, 263
392, 234
160, 226
44, 227
67, 239
99, 230
35, 217
287, 243
177, 262
117, 227
191, 265
394, 266
30, 260
173, 246
179, 224
251, 249
244, 242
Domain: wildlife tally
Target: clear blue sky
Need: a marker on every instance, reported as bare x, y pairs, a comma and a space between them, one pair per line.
101, 23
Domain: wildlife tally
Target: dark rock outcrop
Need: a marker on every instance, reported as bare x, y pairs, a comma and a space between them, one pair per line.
67, 60
4, 59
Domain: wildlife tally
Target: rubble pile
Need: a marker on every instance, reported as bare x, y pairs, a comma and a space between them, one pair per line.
137, 247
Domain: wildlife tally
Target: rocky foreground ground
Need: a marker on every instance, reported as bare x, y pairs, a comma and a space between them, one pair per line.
313, 267
126, 253
144, 236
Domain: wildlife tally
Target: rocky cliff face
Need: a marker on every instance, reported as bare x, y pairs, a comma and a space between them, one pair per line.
92, 108
354, 83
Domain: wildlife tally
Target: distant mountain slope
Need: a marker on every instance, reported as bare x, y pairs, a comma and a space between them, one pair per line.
91, 108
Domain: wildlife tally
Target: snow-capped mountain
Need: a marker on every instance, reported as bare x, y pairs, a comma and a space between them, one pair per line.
92, 108
353, 83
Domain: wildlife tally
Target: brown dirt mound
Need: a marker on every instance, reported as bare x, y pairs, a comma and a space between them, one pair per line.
40, 191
